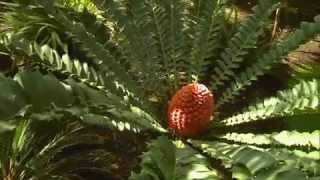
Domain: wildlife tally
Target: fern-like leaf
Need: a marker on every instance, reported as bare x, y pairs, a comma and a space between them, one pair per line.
258, 163
293, 139
209, 20
254, 159
134, 30
303, 98
266, 61
167, 161
307, 161
239, 44
12, 98
102, 57
30, 91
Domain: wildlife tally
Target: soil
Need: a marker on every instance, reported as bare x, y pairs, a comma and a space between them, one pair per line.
293, 11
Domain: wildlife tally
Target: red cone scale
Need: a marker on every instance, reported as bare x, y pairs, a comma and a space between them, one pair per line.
190, 110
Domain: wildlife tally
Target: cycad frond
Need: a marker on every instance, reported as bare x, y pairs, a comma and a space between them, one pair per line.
167, 161
292, 139
27, 90
240, 43
303, 70
81, 5
75, 69
30, 146
135, 27
309, 161
233, 154
302, 99
50, 59
29, 87
11, 93
207, 21
166, 37
101, 56
28, 22
94, 49
259, 163
267, 60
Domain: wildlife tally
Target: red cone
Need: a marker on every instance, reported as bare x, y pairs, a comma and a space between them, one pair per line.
190, 110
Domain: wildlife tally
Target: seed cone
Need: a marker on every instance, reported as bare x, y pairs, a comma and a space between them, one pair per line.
190, 110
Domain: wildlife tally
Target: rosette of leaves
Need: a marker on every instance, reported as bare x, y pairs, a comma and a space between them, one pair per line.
120, 69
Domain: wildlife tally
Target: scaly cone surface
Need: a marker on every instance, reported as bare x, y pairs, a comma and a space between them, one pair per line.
190, 110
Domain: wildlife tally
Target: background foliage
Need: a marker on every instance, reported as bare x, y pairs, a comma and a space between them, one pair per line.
85, 79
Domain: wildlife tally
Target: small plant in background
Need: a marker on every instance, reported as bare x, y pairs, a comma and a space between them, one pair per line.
171, 69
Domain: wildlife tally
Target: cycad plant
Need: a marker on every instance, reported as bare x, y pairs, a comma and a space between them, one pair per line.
121, 64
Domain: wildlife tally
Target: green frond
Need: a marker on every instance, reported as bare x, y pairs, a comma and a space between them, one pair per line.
166, 160
134, 31
12, 99
281, 172
94, 49
209, 21
159, 27
231, 154
307, 161
267, 60
32, 22
102, 80
95, 115
160, 23
257, 163
81, 5
292, 139
103, 112
298, 164
119, 117
81, 72
74, 68
113, 122
305, 70
31, 146
29, 89
163, 35
101, 56
159, 161
28, 22
175, 33
302, 99
33, 84
243, 40
156, 26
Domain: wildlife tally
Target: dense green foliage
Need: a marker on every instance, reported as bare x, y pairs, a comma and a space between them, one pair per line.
116, 63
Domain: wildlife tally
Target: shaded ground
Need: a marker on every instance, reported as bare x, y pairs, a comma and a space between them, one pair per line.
293, 11
125, 150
